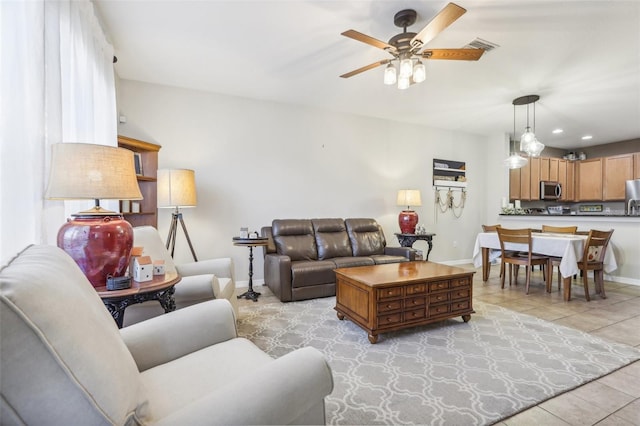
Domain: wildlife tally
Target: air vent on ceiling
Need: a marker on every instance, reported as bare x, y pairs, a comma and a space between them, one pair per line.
479, 43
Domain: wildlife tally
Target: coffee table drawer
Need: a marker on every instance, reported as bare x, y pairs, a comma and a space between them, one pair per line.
462, 293
457, 282
438, 298
415, 314
416, 289
390, 319
438, 310
391, 305
460, 306
438, 285
414, 302
389, 293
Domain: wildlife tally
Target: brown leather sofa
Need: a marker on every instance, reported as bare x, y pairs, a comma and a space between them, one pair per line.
302, 253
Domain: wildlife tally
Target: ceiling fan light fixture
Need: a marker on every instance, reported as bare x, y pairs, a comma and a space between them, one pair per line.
403, 83
406, 67
390, 76
419, 72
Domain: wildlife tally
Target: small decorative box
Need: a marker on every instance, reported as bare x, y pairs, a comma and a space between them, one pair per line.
158, 267
142, 269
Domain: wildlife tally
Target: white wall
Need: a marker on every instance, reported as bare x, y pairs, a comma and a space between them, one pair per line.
256, 161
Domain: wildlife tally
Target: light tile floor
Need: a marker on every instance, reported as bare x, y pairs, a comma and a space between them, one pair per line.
611, 400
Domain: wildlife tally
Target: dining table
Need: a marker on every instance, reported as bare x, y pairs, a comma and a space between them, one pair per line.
568, 247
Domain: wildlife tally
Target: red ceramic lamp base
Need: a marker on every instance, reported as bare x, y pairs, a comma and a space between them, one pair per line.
100, 245
408, 219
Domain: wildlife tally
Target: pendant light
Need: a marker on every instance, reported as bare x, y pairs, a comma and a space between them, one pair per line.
528, 141
515, 160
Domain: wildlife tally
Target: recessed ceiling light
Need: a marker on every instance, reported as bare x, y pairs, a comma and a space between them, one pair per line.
556, 131
587, 137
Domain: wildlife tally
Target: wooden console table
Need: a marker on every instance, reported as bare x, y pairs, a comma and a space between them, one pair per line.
407, 240
383, 298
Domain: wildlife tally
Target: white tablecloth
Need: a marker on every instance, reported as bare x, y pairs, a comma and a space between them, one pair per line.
566, 246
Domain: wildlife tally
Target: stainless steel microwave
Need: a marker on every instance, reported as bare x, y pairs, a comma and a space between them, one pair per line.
550, 190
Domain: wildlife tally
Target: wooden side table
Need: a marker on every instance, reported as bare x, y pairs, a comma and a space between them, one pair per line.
407, 240
160, 288
251, 243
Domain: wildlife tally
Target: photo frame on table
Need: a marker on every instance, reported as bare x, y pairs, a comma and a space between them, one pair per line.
137, 162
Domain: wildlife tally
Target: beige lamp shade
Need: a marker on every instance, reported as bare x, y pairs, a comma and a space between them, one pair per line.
409, 197
176, 188
82, 171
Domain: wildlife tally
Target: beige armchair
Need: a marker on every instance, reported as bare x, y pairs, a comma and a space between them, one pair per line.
64, 361
201, 281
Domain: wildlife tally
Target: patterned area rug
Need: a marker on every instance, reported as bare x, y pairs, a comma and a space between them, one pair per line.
454, 373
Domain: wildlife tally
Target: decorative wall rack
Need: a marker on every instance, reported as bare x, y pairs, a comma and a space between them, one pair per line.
449, 177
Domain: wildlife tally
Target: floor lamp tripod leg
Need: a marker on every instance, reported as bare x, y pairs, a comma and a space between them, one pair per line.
184, 228
171, 238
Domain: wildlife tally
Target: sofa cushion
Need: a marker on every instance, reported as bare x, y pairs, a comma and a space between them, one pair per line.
305, 273
56, 330
350, 262
295, 238
381, 259
366, 237
331, 238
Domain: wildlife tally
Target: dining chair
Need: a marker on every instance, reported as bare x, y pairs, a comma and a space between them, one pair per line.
555, 261
521, 258
593, 260
492, 228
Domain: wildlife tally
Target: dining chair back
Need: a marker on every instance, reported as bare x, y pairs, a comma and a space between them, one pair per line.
593, 260
555, 261
490, 228
559, 229
521, 258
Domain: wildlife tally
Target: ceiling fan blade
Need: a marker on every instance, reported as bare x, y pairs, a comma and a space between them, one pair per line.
366, 68
453, 54
368, 40
442, 20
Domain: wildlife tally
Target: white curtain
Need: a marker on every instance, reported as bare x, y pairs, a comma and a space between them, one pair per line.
56, 85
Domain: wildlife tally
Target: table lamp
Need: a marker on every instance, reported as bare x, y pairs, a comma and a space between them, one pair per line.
99, 240
408, 219
177, 188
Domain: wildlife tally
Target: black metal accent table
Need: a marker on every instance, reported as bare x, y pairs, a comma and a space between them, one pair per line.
407, 240
251, 243
160, 288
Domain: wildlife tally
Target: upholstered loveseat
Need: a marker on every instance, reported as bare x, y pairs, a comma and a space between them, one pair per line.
301, 254
64, 362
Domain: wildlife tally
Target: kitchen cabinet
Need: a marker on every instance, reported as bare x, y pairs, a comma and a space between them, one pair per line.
514, 184
589, 180
562, 178
146, 212
544, 168
616, 171
534, 173
636, 165
525, 182
554, 175
568, 191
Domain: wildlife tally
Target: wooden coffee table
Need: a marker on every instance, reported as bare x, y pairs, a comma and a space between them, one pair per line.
384, 298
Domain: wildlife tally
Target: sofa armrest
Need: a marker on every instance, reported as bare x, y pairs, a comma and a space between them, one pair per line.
167, 337
222, 267
279, 392
407, 252
277, 275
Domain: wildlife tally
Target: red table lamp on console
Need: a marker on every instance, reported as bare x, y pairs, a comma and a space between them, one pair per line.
408, 219
99, 240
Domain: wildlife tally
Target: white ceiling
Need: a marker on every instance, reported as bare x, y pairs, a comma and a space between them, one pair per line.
581, 57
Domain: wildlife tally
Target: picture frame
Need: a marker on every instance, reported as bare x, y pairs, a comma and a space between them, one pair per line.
125, 206
137, 162
135, 207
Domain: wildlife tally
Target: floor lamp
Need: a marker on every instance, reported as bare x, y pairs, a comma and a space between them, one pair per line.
177, 188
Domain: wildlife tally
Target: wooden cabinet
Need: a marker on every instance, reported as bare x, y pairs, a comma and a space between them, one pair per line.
589, 180
616, 171
384, 298
514, 184
544, 168
147, 156
563, 179
534, 178
636, 165
525, 182
554, 172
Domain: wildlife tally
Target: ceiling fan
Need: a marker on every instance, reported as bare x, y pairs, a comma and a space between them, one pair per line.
405, 47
